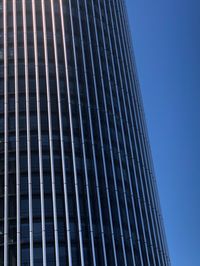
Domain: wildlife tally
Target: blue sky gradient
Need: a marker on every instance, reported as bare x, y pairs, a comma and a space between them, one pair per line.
166, 37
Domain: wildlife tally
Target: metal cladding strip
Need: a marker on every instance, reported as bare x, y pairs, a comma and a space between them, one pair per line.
132, 60
151, 168
149, 201
124, 103
158, 210
157, 215
153, 183
125, 108
59, 101
138, 97
143, 226
144, 178
101, 141
50, 137
130, 182
127, 162
141, 115
39, 134
71, 128
28, 132
154, 186
73, 151
166, 251
110, 143
17, 132
115, 126
85, 161
5, 135
151, 207
148, 221
92, 136
91, 130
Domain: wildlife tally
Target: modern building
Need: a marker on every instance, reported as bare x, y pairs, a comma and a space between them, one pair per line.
77, 185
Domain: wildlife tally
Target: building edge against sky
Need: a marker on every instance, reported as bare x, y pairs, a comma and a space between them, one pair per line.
77, 184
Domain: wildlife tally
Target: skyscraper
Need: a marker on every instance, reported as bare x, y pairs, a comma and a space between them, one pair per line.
77, 186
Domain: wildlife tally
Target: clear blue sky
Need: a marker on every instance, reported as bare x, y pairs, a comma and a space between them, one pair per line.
166, 37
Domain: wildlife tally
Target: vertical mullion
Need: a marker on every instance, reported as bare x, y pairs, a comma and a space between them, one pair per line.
140, 115
101, 140
5, 135
50, 137
148, 149
92, 137
59, 106
138, 164
130, 182
17, 133
118, 27
28, 132
109, 138
85, 161
140, 120
137, 105
118, 146
154, 199
73, 151
127, 163
71, 131
39, 135
91, 129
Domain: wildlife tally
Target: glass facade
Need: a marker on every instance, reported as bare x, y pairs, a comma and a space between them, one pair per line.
77, 186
